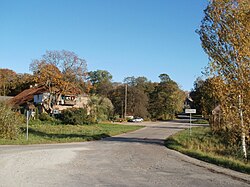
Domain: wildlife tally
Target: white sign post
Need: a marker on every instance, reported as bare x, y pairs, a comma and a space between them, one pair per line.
190, 111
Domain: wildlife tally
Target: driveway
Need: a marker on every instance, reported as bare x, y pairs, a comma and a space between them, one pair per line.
135, 159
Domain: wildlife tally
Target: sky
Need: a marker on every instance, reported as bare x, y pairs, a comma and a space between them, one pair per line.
125, 37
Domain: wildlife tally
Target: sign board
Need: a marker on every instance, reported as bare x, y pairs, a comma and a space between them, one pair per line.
190, 111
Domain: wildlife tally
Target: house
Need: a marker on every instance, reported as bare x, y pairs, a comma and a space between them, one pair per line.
71, 101
24, 100
39, 97
188, 103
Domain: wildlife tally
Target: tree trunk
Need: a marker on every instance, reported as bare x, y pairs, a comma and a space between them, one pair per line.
243, 135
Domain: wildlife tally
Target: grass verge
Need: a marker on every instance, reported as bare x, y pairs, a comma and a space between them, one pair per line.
46, 133
203, 145
200, 121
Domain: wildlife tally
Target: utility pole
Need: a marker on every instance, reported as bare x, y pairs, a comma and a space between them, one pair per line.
122, 111
125, 101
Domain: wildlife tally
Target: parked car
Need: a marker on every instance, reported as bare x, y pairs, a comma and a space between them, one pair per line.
136, 119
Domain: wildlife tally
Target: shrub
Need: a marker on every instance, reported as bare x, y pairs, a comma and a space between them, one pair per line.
45, 117
9, 122
75, 116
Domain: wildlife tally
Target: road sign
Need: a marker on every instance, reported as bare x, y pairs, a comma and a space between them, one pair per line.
190, 111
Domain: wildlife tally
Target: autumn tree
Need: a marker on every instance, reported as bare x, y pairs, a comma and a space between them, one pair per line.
8, 80
62, 72
72, 67
23, 82
225, 36
12, 83
50, 76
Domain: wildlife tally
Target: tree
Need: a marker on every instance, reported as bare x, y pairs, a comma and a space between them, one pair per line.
8, 80
72, 67
137, 102
225, 36
137, 97
142, 83
203, 96
101, 82
166, 100
12, 83
23, 82
164, 77
101, 108
50, 76
116, 95
62, 72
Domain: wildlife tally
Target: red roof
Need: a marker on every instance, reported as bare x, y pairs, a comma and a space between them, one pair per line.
26, 96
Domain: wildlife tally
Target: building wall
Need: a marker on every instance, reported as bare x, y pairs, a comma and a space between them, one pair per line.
81, 102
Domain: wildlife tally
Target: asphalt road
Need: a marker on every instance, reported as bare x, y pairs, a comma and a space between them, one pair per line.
134, 159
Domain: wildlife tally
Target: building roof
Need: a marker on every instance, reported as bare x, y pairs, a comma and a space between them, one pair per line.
26, 96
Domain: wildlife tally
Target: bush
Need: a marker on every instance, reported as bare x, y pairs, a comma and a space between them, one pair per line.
9, 122
75, 116
45, 117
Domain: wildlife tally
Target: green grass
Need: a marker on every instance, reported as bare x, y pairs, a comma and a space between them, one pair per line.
203, 145
45, 133
200, 121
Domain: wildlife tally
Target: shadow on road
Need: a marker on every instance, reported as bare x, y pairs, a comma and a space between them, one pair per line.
167, 127
135, 140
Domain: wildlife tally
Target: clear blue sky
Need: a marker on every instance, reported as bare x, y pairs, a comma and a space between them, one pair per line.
124, 37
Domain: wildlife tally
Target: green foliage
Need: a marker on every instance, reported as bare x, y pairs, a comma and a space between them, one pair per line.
137, 102
45, 117
204, 99
9, 122
137, 99
101, 108
75, 116
117, 98
166, 100
205, 145
101, 82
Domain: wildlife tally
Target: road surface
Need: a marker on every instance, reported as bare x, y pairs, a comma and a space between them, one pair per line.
134, 159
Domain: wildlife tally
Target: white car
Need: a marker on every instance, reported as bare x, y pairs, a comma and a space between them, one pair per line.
137, 119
